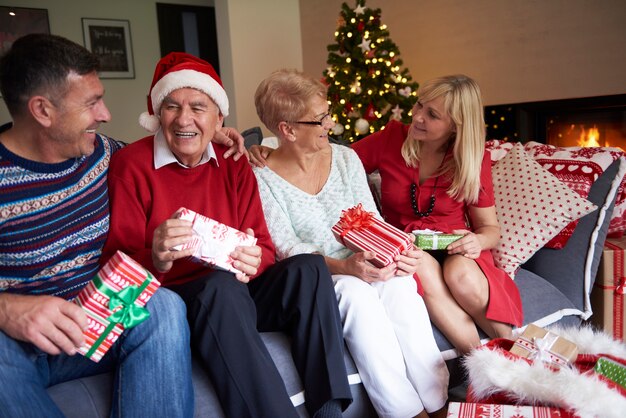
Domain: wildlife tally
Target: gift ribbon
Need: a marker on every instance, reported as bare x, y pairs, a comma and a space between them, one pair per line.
123, 308
543, 347
618, 280
355, 219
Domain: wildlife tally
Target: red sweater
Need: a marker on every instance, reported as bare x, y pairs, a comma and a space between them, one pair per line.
142, 198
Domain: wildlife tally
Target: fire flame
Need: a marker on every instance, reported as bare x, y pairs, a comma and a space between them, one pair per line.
589, 138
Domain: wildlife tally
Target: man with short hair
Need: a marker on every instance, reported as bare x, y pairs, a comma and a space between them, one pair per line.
180, 166
54, 216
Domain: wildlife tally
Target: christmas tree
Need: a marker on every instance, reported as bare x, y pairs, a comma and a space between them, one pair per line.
366, 83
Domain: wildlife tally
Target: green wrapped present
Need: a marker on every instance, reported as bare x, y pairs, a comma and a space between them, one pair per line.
612, 370
435, 241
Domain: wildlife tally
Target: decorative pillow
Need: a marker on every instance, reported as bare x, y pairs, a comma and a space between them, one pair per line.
578, 168
532, 207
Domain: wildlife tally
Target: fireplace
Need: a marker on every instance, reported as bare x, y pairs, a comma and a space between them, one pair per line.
592, 121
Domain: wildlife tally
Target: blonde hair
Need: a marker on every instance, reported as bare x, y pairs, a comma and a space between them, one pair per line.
285, 96
463, 103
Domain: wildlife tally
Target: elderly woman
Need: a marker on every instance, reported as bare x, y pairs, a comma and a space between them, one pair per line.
304, 187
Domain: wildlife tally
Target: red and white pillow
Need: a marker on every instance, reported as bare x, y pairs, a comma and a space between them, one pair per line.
578, 168
532, 205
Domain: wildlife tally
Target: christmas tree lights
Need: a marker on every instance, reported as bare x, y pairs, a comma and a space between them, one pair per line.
367, 85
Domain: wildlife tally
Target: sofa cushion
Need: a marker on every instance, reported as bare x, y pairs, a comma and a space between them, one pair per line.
532, 206
573, 268
90, 396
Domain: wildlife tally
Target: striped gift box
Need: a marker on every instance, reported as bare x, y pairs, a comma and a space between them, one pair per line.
360, 230
117, 274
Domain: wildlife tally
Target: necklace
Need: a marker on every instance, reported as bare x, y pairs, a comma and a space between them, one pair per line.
431, 205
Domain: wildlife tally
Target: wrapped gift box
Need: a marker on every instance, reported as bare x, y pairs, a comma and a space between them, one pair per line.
114, 300
481, 410
607, 295
434, 240
539, 344
360, 230
213, 241
611, 370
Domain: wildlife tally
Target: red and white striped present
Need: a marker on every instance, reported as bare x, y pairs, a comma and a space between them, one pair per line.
122, 285
213, 241
360, 230
481, 410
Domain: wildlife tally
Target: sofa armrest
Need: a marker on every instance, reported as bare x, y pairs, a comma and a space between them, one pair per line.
573, 268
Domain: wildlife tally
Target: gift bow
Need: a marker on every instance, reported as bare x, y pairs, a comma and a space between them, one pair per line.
542, 348
129, 314
355, 219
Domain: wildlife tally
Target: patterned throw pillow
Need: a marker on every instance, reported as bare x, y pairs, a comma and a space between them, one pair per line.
532, 207
578, 168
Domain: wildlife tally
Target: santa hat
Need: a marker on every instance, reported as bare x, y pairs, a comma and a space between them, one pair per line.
179, 70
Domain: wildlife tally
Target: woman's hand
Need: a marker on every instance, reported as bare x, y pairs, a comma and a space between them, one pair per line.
247, 259
232, 139
358, 265
469, 246
408, 262
258, 155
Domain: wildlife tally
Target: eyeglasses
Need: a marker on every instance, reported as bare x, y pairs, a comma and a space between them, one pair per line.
325, 120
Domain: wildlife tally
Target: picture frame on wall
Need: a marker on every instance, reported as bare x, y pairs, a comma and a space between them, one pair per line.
16, 22
110, 40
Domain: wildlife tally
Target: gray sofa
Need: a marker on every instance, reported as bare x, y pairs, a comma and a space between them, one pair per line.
554, 285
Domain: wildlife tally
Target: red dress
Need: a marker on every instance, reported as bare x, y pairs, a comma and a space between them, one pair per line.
381, 151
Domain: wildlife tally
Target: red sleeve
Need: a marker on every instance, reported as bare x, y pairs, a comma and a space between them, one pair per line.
485, 195
369, 148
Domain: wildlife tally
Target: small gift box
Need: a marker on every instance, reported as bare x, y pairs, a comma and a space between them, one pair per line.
539, 344
360, 230
213, 241
607, 296
434, 240
611, 370
481, 410
114, 300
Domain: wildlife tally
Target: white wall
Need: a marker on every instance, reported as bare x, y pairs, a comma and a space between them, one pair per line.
518, 50
247, 54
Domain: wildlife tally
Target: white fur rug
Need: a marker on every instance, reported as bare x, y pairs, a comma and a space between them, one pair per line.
491, 371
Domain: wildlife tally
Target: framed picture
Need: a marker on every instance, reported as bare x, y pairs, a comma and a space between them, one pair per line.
110, 40
19, 21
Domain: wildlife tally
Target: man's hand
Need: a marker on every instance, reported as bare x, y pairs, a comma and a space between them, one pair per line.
232, 139
247, 259
258, 155
169, 234
52, 324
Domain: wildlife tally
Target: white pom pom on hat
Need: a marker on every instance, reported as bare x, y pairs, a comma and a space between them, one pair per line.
179, 70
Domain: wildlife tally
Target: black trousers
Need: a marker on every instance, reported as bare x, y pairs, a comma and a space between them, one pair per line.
295, 296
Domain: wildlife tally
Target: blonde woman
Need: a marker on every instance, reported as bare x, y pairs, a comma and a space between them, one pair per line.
436, 175
304, 188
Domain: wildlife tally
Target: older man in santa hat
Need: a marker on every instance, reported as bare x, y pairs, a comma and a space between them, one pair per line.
179, 166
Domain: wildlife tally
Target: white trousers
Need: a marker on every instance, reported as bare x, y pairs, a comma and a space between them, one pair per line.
389, 335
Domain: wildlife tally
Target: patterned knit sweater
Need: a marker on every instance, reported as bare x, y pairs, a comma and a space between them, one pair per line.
53, 221
300, 222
